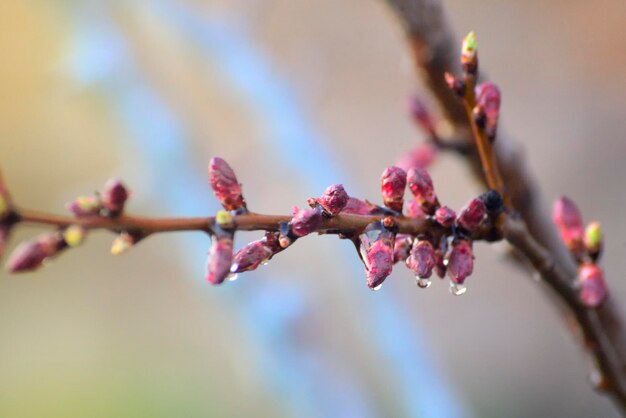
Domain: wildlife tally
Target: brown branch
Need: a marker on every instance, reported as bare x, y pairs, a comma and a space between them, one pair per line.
435, 49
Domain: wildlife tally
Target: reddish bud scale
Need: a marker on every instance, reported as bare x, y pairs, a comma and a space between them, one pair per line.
568, 220
421, 185
225, 185
445, 216
30, 255
488, 100
457, 86
334, 199
392, 186
421, 116
305, 221
422, 259
421, 157
472, 215
460, 261
220, 259
414, 210
401, 247
359, 207
251, 256
114, 196
593, 290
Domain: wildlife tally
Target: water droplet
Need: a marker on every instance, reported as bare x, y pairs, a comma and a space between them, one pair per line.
377, 287
445, 262
265, 263
423, 283
457, 289
232, 277
234, 268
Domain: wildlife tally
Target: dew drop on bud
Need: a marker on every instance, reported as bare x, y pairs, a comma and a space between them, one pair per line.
232, 277
457, 289
423, 283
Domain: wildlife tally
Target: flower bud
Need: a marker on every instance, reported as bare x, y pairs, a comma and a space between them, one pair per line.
422, 259
568, 220
251, 256
224, 219
421, 116
359, 207
488, 100
392, 186
334, 199
225, 185
114, 196
421, 156
472, 215
376, 249
593, 240
460, 261
123, 242
445, 216
469, 54
455, 84
220, 259
414, 210
85, 206
494, 204
30, 255
74, 235
401, 247
305, 221
421, 186
593, 288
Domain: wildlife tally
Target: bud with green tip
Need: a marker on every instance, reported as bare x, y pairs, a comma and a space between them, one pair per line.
74, 235
469, 54
593, 240
224, 219
84, 206
123, 242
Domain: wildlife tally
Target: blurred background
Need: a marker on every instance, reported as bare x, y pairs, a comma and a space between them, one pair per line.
296, 95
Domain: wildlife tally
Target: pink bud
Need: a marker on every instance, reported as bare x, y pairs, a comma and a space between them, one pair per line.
401, 247
488, 104
445, 216
220, 259
460, 261
421, 156
30, 254
422, 259
392, 185
414, 210
421, 186
85, 206
334, 199
225, 185
472, 215
305, 221
593, 288
251, 256
376, 247
568, 220
358, 207
421, 116
114, 196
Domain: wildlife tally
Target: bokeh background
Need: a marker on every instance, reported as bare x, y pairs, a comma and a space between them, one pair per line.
296, 95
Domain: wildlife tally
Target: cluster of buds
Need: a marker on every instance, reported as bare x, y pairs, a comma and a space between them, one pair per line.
32, 254
585, 245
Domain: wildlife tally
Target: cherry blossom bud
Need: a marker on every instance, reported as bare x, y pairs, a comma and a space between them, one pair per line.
422, 259
472, 215
421, 186
334, 199
305, 221
401, 247
30, 255
455, 84
421, 156
469, 54
568, 220
593, 240
593, 288
85, 206
445, 216
377, 252
123, 242
392, 186
225, 185
220, 259
460, 261
251, 256
114, 196
359, 207
421, 116
74, 235
414, 210
488, 100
